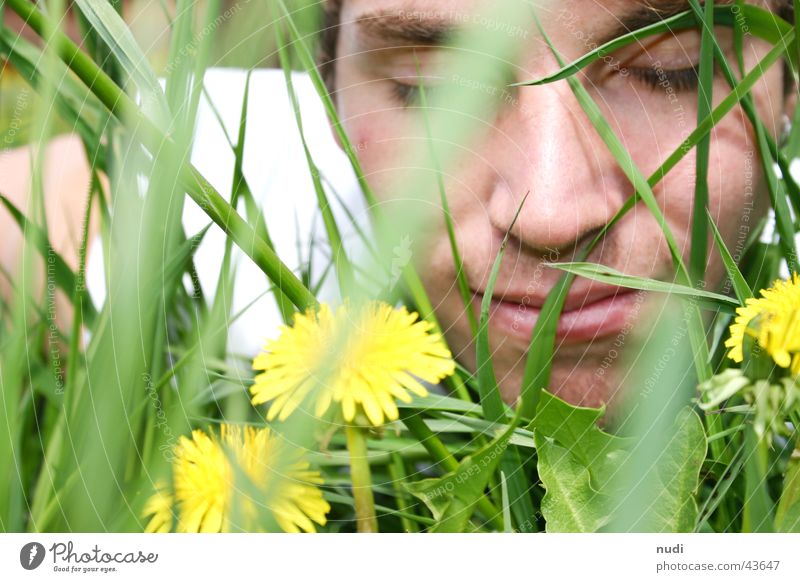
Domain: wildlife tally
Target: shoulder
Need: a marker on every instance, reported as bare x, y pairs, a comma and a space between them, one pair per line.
67, 178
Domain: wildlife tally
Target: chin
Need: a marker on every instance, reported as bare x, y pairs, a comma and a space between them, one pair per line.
590, 386
587, 385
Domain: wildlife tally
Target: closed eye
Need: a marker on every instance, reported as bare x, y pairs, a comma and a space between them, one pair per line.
408, 90
680, 80
407, 94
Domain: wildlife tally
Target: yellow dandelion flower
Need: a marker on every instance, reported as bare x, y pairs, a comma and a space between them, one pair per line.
204, 483
773, 320
362, 358
159, 506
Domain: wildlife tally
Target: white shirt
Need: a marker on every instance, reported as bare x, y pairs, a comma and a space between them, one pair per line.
276, 170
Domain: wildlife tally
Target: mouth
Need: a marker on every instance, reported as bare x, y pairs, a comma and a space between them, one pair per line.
584, 319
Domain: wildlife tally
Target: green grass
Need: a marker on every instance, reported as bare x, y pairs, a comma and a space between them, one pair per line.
85, 440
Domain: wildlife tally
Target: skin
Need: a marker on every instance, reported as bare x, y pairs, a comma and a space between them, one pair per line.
541, 142
66, 191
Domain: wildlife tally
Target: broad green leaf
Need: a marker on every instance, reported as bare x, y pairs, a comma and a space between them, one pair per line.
665, 489
675, 506
577, 430
791, 521
570, 503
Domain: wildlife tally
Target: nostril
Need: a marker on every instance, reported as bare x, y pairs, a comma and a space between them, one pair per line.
549, 251
587, 238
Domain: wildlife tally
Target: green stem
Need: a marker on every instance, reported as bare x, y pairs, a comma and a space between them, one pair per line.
442, 455
362, 479
757, 511
397, 472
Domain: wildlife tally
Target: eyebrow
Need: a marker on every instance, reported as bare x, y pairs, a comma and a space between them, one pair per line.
432, 28
646, 13
407, 27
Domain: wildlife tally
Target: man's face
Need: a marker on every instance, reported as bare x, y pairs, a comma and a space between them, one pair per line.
540, 143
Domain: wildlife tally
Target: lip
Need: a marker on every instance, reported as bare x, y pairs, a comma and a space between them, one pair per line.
585, 318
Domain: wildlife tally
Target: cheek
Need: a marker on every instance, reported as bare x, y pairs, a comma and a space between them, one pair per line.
381, 147
737, 196
736, 199
656, 125
383, 134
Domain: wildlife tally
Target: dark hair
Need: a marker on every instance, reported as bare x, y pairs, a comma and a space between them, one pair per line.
329, 35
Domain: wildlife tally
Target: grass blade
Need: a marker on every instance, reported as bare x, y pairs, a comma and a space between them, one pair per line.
461, 277
344, 269
117, 36
740, 286
761, 23
699, 248
611, 276
494, 410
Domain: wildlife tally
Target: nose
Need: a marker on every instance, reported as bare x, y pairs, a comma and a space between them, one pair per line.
546, 148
